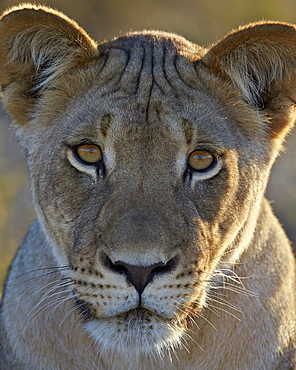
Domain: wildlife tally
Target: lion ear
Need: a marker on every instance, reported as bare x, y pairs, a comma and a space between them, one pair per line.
259, 61
37, 46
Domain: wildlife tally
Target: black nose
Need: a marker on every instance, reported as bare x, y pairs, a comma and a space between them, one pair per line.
140, 276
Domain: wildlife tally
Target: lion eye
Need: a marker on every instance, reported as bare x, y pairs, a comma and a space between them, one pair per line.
201, 161
88, 153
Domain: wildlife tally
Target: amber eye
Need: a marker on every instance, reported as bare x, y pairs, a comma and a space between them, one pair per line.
201, 160
88, 153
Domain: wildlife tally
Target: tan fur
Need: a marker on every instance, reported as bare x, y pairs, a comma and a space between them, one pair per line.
220, 292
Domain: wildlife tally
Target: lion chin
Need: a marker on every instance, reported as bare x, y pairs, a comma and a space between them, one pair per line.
137, 333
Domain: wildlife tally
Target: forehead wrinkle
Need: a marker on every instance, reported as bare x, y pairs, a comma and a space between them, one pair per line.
104, 123
188, 130
138, 63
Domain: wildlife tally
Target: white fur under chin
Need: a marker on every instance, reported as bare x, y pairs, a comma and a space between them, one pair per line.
134, 336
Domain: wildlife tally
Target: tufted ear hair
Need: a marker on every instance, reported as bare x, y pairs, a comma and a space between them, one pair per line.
37, 45
259, 61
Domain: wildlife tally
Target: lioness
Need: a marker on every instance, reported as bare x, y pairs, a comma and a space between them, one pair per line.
153, 247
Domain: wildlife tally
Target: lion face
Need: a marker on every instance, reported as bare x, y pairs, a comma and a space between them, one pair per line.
140, 155
136, 186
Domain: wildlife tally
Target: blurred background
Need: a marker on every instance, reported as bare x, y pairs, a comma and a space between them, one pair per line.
200, 21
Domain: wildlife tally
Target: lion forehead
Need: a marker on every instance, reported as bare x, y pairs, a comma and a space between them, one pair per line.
143, 62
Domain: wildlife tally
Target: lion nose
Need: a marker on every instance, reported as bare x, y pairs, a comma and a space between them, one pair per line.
141, 276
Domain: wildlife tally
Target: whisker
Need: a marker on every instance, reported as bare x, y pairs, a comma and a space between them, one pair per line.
211, 309
43, 287
53, 270
226, 304
209, 322
73, 309
223, 310
37, 310
61, 302
36, 313
218, 297
235, 289
192, 314
48, 295
194, 341
224, 253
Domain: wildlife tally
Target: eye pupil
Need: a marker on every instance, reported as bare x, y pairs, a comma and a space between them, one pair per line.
88, 153
201, 160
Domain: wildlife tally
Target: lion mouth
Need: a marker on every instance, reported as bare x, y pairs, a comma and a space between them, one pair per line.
133, 316
137, 316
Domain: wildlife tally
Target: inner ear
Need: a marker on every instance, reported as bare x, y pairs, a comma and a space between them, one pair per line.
38, 45
259, 61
